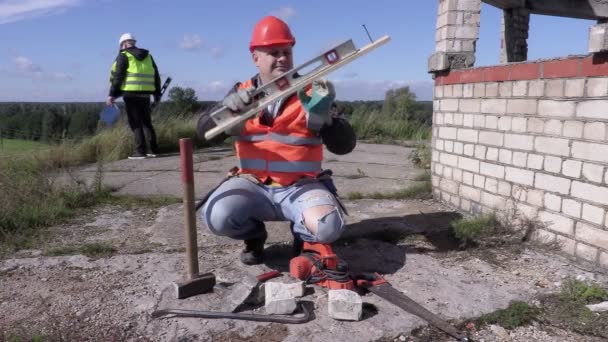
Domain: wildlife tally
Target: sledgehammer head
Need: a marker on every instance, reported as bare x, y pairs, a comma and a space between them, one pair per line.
199, 284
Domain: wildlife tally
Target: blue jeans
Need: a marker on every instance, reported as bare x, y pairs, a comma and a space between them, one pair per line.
239, 206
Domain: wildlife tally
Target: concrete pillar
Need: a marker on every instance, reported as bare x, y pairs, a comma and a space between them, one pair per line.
598, 37
514, 35
457, 31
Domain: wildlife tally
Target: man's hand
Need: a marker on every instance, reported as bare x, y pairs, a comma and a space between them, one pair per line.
238, 101
156, 100
110, 101
318, 104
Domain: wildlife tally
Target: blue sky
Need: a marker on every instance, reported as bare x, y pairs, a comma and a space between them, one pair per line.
62, 50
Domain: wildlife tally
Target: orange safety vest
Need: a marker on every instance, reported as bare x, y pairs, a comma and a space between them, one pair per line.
284, 152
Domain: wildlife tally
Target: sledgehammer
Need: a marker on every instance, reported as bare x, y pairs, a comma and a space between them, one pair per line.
195, 283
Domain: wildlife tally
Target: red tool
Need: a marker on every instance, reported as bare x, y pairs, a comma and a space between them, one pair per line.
318, 264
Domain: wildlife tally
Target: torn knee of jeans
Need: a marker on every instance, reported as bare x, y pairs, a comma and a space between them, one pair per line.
316, 197
330, 226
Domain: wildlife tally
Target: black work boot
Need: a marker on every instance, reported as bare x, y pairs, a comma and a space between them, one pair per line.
253, 254
297, 244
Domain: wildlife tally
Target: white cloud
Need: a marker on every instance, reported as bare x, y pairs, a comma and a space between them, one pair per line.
285, 13
217, 52
24, 67
191, 42
16, 10
351, 90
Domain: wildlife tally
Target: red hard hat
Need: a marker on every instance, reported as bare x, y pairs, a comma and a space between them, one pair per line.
271, 31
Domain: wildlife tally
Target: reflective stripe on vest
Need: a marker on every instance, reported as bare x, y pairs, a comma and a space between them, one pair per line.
140, 74
280, 166
285, 139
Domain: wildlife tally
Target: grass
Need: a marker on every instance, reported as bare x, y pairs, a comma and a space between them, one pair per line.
471, 229
374, 127
517, 314
419, 190
92, 250
10, 146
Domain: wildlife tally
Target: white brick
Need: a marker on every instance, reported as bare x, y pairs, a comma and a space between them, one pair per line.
458, 175
536, 88
491, 185
447, 133
457, 91
520, 88
492, 154
468, 164
467, 135
592, 235
590, 151
553, 108
467, 178
505, 89
448, 186
505, 156
592, 109
469, 149
470, 105
491, 122
595, 131
586, 252
458, 119
526, 210
593, 214
479, 181
519, 106
492, 170
604, 259
448, 91
535, 197
465, 205
439, 144
566, 245
493, 201
597, 87
493, 106
552, 183
544, 236
535, 161
504, 123
593, 172
553, 164
552, 146
467, 90
520, 159
467, 121
448, 159
554, 88
553, 202
536, 125
606, 180
553, 127
571, 207
458, 147
492, 138
557, 223
520, 142
479, 90
518, 125
449, 105
573, 129
435, 156
447, 172
438, 92
492, 89
575, 87
504, 188
449, 146
589, 192
449, 118
470, 193
480, 151
572, 168
519, 176
436, 105
479, 121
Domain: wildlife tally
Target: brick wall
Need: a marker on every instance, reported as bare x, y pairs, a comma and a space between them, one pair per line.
532, 136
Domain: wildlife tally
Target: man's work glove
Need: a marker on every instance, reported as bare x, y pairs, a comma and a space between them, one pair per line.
238, 101
318, 104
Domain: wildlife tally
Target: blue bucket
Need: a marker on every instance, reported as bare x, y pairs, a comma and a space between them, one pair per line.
109, 114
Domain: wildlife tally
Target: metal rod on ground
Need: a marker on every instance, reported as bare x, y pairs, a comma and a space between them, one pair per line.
196, 283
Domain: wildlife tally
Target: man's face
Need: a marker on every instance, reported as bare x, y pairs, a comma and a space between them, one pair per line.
273, 61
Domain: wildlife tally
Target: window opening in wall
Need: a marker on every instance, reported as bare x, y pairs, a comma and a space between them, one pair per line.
488, 45
551, 37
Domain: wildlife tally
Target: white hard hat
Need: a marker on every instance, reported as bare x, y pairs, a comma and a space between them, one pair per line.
126, 36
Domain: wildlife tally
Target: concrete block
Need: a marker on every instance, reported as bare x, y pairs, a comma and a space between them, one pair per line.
554, 88
479, 121
491, 138
344, 305
467, 178
592, 235
590, 192
598, 38
491, 185
479, 181
536, 125
449, 146
493, 106
438, 93
505, 89
447, 133
480, 151
557, 223
572, 168
566, 245
604, 259
457, 175
590, 151
554, 146
553, 127
586, 252
458, 148
536, 88
504, 188
438, 62
439, 144
593, 214
535, 197
448, 159
552, 183
448, 90
447, 172
467, 120
449, 105
553, 202
573, 129
479, 90
465, 205
469, 150
553, 164
449, 118
467, 90
518, 125
492, 89
504, 123
467, 135
520, 142
458, 118
575, 88
491, 122
519, 176
492, 154
552, 108
593, 172
436, 104
505, 156
592, 109
535, 161
279, 299
544, 236
493, 201
448, 186
571, 207
594, 131
470, 193
457, 91
520, 159
468, 164
521, 106
520, 88
597, 87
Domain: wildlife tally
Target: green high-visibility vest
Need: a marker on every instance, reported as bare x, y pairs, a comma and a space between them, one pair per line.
140, 74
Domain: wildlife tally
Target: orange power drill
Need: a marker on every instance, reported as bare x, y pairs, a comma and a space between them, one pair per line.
318, 264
